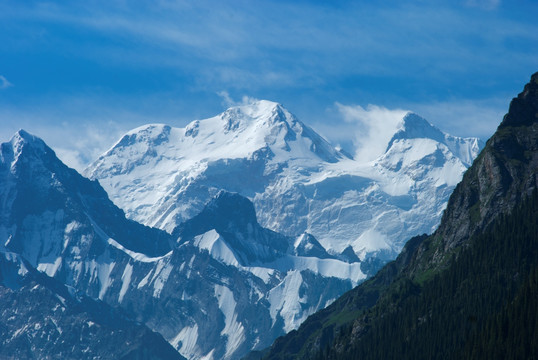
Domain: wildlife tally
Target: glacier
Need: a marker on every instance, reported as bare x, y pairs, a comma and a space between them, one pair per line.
299, 183
225, 234
215, 289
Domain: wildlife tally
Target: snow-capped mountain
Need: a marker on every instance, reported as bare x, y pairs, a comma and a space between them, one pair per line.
41, 318
298, 182
220, 286
44, 204
154, 171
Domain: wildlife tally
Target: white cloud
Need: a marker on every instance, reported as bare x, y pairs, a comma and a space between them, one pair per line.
4, 83
78, 146
375, 126
228, 101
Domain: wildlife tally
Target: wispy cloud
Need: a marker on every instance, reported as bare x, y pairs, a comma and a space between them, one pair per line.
228, 101
375, 126
484, 4
4, 83
366, 130
75, 143
172, 58
237, 45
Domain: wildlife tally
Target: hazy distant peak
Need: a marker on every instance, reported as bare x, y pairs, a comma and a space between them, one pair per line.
414, 126
22, 139
153, 134
260, 114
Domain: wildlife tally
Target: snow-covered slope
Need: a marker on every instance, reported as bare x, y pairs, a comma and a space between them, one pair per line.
298, 182
154, 171
41, 318
221, 286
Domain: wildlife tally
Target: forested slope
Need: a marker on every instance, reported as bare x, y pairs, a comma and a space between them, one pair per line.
466, 291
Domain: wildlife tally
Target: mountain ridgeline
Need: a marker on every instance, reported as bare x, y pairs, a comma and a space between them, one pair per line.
41, 318
219, 287
256, 223
470, 289
163, 176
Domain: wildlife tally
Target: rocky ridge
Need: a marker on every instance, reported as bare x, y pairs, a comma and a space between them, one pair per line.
482, 256
162, 176
219, 287
42, 318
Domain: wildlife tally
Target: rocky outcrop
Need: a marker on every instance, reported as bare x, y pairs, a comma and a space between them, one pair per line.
505, 172
501, 180
40, 318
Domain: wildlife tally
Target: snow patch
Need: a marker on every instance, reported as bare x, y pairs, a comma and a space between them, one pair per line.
162, 272
233, 330
217, 247
145, 280
186, 341
103, 272
324, 267
286, 302
50, 268
125, 281
136, 255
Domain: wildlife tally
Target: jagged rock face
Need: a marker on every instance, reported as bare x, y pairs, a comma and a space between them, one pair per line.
502, 177
507, 165
162, 176
226, 286
524, 108
43, 203
40, 318
233, 216
232, 286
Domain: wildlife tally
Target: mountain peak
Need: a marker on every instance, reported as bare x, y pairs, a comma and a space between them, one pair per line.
412, 121
223, 212
232, 216
262, 114
28, 151
22, 134
256, 108
524, 108
307, 245
233, 206
414, 126
153, 134
22, 139
495, 182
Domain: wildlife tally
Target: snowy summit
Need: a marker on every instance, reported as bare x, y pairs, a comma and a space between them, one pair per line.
298, 182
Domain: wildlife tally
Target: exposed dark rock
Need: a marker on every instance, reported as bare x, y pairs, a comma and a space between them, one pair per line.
502, 178
40, 318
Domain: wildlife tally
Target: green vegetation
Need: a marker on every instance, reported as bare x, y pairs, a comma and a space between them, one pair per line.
469, 291
484, 305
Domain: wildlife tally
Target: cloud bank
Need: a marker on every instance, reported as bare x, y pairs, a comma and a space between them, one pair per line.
171, 59
375, 126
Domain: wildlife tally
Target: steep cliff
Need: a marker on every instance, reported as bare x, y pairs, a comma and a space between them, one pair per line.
451, 294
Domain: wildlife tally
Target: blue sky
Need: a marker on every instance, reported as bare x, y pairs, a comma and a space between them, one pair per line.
80, 73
